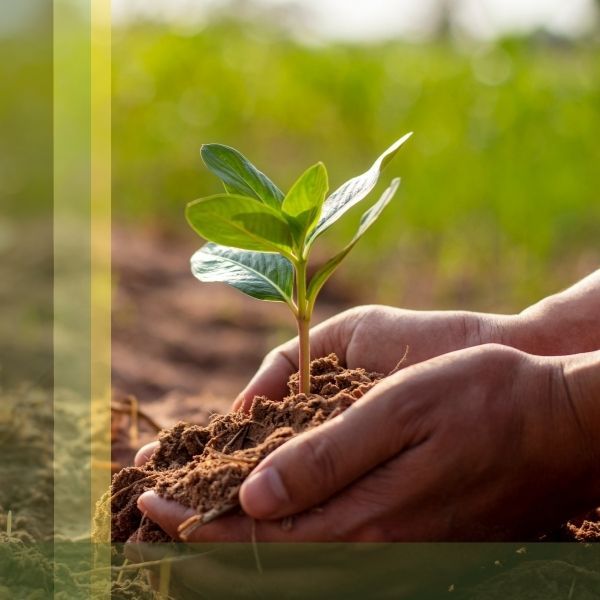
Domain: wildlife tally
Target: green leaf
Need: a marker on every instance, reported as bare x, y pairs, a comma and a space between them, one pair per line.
368, 218
353, 191
239, 175
240, 222
305, 199
262, 275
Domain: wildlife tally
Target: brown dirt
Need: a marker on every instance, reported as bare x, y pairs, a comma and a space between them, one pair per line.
204, 467
585, 529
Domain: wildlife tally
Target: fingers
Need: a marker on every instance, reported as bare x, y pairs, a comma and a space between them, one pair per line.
271, 378
314, 526
144, 453
314, 466
351, 516
168, 514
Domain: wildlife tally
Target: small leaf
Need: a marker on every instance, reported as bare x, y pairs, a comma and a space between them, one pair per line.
262, 275
239, 175
305, 199
240, 222
353, 191
368, 218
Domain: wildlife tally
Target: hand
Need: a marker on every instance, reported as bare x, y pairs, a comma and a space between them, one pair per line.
369, 337
377, 338
485, 443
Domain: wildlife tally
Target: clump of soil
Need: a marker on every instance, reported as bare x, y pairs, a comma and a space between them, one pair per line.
204, 467
586, 529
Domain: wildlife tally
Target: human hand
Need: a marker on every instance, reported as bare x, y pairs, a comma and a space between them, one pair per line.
378, 338
538, 330
485, 443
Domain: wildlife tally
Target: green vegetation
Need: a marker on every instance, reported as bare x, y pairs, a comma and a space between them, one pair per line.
500, 204
261, 238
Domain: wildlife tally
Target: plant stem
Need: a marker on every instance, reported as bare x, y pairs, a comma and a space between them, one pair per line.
304, 355
303, 320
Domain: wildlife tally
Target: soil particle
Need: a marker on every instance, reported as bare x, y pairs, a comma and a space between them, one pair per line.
586, 530
204, 467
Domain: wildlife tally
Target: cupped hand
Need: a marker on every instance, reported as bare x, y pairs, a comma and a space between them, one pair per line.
478, 444
378, 338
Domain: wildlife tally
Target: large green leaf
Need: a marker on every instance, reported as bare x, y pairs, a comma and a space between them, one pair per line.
262, 275
368, 218
353, 191
239, 175
240, 222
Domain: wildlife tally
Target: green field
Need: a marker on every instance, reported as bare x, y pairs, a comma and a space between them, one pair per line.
499, 202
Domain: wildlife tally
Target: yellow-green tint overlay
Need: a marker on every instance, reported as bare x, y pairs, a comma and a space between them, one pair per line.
100, 246
81, 287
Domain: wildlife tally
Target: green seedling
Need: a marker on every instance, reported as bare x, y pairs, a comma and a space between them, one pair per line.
260, 239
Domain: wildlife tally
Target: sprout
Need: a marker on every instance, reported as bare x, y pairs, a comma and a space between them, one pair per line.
259, 239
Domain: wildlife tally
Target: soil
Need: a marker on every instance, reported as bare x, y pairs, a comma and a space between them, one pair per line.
204, 467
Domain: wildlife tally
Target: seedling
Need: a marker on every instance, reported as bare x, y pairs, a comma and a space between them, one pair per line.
260, 239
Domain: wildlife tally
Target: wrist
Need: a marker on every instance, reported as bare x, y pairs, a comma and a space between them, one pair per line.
550, 329
542, 330
531, 332
562, 324
507, 330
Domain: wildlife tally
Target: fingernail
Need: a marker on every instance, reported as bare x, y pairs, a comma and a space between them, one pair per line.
145, 501
239, 402
263, 494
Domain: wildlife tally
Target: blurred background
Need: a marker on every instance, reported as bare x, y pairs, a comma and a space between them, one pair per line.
499, 203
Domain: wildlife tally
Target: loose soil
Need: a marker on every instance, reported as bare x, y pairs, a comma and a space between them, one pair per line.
204, 467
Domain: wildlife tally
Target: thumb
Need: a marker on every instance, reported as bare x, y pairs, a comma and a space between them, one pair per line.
309, 469
271, 378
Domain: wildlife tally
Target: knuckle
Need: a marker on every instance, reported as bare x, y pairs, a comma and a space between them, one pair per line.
366, 310
497, 353
352, 320
273, 355
267, 360
321, 460
278, 356
356, 313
